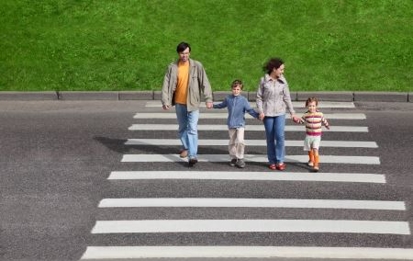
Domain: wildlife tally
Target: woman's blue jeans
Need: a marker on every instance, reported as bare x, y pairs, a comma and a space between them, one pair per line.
188, 129
274, 131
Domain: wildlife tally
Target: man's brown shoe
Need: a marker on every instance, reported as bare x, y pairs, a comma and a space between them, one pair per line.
183, 153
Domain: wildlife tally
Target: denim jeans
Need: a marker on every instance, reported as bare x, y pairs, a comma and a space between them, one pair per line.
274, 131
188, 129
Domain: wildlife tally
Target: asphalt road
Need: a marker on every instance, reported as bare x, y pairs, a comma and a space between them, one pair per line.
56, 157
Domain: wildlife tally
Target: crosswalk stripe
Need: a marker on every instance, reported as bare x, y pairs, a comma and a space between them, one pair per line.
250, 158
201, 127
358, 253
324, 104
251, 203
251, 225
244, 175
288, 143
223, 115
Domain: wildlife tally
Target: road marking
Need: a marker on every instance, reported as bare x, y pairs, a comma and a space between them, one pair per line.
251, 225
201, 127
223, 115
250, 158
357, 253
288, 143
296, 104
251, 203
244, 175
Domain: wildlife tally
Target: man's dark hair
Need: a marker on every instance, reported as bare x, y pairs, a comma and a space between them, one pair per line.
182, 46
271, 64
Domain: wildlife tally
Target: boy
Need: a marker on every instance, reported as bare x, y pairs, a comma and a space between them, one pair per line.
237, 105
313, 120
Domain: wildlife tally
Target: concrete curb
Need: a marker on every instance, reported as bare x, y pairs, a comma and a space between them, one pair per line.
218, 96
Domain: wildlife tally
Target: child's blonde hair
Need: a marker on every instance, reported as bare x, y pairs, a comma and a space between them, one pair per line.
311, 99
237, 83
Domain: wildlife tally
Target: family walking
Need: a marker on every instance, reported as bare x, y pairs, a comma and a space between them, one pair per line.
186, 86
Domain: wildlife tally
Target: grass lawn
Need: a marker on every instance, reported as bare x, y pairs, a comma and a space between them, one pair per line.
107, 45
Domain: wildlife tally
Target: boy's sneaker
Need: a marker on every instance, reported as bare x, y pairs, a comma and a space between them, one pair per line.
316, 169
240, 163
310, 163
233, 162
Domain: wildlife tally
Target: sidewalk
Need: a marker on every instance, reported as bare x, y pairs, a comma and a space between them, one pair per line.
219, 95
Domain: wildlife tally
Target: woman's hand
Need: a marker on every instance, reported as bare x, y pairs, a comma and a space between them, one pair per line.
295, 118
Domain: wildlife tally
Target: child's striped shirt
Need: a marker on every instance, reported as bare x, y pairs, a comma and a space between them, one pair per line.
313, 123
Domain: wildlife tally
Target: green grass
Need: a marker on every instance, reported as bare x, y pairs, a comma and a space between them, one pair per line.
114, 45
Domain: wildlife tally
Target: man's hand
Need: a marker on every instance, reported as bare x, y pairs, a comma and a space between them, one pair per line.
165, 107
209, 105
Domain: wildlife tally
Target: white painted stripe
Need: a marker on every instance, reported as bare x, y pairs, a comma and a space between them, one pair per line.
296, 104
245, 175
300, 128
251, 225
357, 253
223, 115
288, 143
251, 203
250, 158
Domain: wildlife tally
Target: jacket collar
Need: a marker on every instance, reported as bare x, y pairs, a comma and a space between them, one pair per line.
268, 78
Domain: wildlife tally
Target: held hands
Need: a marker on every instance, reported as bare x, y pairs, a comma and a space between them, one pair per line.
296, 119
209, 105
261, 116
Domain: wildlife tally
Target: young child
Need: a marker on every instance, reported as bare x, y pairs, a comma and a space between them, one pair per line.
313, 120
237, 106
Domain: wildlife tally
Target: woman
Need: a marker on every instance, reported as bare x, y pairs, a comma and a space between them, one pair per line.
273, 98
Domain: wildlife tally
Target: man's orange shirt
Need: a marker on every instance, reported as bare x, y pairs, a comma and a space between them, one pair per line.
181, 91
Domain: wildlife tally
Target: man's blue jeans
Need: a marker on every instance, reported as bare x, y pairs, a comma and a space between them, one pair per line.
274, 131
188, 129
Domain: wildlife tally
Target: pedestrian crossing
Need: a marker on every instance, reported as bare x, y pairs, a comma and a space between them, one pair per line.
201, 127
250, 252
251, 176
250, 203
220, 115
249, 158
288, 143
347, 226
296, 104
263, 225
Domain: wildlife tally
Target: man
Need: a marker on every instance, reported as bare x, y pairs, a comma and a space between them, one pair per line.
184, 82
